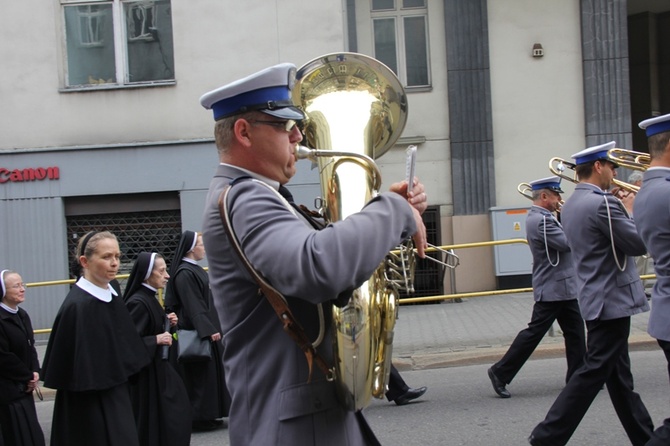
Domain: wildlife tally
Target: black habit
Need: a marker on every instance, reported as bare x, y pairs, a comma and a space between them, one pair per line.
204, 381
92, 352
160, 402
18, 362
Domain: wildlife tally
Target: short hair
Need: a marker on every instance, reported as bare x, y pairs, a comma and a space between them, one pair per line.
223, 131
658, 143
634, 177
585, 170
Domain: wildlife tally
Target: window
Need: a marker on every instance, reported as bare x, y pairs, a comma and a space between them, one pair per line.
118, 42
400, 33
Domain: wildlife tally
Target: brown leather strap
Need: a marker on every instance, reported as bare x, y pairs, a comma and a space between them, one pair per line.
275, 298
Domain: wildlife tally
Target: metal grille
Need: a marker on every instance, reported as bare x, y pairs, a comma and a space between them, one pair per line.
429, 276
155, 231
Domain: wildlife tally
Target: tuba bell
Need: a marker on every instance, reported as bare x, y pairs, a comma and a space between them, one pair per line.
355, 109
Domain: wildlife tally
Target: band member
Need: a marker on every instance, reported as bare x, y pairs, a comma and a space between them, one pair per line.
604, 240
274, 400
652, 218
554, 289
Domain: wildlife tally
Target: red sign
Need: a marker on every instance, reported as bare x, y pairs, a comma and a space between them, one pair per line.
28, 174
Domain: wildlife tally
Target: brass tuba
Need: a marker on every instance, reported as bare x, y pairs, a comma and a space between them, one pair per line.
355, 111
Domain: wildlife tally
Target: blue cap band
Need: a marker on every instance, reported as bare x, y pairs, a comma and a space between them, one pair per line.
658, 128
264, 98
548, 185
592, 157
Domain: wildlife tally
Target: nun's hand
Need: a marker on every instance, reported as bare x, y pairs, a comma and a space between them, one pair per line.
164, 338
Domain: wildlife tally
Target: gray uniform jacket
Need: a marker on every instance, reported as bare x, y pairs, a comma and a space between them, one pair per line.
652, 218
266, 372
604, 292
553, 271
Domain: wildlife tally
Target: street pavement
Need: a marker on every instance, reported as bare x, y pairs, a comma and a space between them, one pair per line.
475, 331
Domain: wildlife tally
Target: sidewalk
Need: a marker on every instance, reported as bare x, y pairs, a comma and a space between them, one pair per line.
476, 330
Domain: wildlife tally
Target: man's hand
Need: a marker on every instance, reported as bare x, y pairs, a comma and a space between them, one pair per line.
420, 238
628, 199
416, 196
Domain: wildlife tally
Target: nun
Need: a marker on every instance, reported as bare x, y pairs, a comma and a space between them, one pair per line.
92, 352
188, 294
160, 402
19, 367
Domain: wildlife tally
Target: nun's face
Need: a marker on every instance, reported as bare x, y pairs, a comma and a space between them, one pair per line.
159, 275
199, 249
103, 265
16, 291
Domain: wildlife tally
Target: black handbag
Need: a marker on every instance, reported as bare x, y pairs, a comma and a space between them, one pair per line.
192, 348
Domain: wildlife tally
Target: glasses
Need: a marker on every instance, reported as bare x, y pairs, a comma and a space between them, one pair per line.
286, 125
18, 286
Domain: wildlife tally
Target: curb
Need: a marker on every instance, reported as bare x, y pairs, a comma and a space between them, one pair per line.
489, 355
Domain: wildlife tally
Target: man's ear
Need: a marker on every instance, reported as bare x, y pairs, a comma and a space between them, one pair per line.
241, 131
598, 165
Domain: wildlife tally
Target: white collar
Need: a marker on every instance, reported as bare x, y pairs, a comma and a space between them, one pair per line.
10, 309
260, 177
150, 287
189, 260
103, 294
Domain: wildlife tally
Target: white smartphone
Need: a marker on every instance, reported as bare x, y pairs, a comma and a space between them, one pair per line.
410, 165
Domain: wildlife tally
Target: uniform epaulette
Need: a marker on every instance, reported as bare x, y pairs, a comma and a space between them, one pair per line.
242, 178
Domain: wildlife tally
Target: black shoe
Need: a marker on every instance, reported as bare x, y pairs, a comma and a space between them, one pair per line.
409, 395
534, 442
498, 386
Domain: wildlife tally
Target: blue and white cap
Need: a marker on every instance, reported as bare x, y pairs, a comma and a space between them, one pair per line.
551, 183
594, 153
656, 125
267, 91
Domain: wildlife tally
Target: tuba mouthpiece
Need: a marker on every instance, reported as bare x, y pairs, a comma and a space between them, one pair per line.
303, 152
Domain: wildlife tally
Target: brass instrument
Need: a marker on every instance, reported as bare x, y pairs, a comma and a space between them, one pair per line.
630, 159
525, 190
558, 166
355, 104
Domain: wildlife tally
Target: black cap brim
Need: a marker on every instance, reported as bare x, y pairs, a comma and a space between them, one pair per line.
285, 113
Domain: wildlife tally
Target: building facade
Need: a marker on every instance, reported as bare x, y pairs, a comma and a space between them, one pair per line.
103, 128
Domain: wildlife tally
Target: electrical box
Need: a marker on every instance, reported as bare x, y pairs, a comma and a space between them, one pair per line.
513, 259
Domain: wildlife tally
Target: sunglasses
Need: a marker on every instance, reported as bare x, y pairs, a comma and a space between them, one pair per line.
288, 125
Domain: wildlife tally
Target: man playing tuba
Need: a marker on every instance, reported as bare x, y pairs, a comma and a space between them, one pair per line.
277, 398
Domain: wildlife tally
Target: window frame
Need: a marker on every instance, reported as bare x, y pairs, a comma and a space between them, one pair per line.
121, 41
399, 14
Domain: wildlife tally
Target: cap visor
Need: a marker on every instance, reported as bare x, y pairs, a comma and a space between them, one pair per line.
285, 113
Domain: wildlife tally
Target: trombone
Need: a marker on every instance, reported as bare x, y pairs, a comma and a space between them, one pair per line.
525, 190
558, 166
630, 159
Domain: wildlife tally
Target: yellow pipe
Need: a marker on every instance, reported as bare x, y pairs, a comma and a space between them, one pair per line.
407, 300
